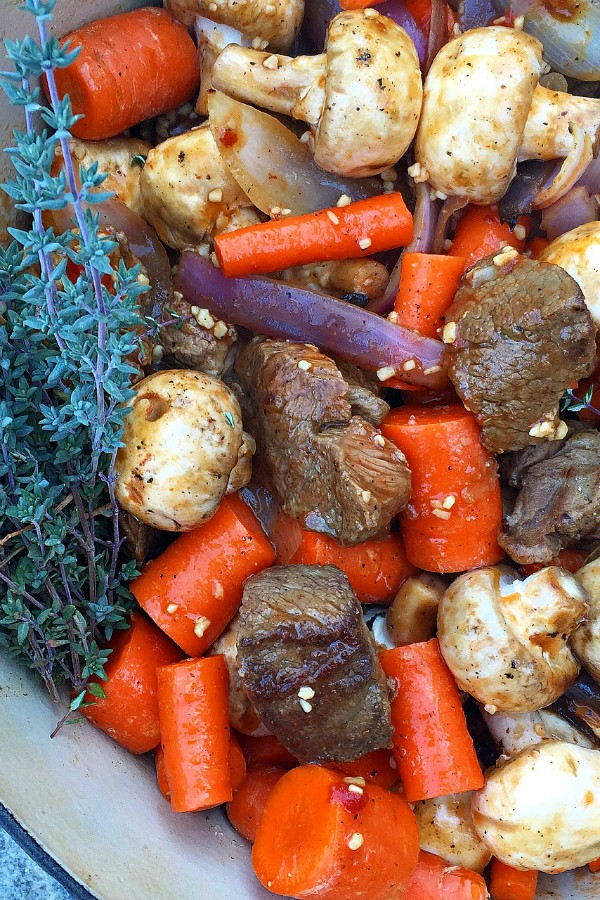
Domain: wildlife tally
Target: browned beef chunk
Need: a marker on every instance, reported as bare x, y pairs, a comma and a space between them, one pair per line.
523, 334
559, 498
301, 631
331, 469
242, 715
190, 344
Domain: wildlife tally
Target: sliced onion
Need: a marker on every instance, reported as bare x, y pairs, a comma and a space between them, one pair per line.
283, 311
398, 12
591, 176
437, 32
571, 42
283, 531
475, 13
532, 176
449, 208
573, 167
211, 38
576, 208
271, 165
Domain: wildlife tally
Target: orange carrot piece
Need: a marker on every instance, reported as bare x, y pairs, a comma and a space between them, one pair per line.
267, 751
161, 775
377, 767
359, 229
194, 728
129, 712
194, 589
316, 838
507, 883
245, 810
436, 880
480, 232
131, 67
537, 244
375, 569
594, 866
454, 516
433, 749
428, 283
236, 761
571, 560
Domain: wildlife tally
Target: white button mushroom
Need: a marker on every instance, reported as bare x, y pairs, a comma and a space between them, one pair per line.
362, 98
505, 640
541, 810
585, 640
483, 109
275, 21
578, 253
212, 38
183, 450
187, 191
446, 829
412, 614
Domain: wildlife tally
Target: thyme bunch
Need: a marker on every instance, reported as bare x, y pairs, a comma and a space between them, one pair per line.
67, 344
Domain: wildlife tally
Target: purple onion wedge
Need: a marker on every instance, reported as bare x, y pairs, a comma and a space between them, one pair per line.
283, 311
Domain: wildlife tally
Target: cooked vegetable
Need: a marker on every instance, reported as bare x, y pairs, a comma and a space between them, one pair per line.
578, 207
434, 879
427, 286
375, 568
125, 704
161, 776
194, 732
446, 829
266, 750
131, 67
317, 838
246, 807
237, 765
202, 418
550, 795
412, 616
367, 226
454, 515
585, 640
433, 749
211, 38
276, 22
594, 866
578, 253
507, 883
505, 640
281, 311
377, 767
194, 588
361, 98
480, 232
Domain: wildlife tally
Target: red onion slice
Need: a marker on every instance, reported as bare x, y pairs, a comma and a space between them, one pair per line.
576, 208
283, 311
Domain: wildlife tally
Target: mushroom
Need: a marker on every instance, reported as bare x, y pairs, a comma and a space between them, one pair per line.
578, 253
188, 193
585, 640
541, 810
505, 640
275, 21
412, 613
446, 829
183, 450
483, 110
212, 38
356, 280
361, 98
514, 732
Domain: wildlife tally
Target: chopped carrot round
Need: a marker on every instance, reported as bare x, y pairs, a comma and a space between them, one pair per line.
480, 232
245, 810
507, 883
434, 879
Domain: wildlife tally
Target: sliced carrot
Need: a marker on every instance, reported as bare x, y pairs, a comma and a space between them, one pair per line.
318, 838
131, 67
237, 765
377, 767
428, 283
537, 244
286, 536
194, 589
267, 751
480, 232
436, 880
454, 516
432, 746
245, 810
194, 728
594, 866
161, 775
375, 569
129, 711
571, 560
359, 229
507, 883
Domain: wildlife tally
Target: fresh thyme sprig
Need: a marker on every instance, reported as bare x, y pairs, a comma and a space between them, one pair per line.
66, 350
570, 402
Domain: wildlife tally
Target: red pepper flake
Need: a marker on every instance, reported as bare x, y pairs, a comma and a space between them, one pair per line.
351, 801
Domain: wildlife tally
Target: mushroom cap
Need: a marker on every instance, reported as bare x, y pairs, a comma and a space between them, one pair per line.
477, 96
541, 810
275, 21
578, 253
505, 640
446, 829
373, 95
182, 441
176, 182
585, 640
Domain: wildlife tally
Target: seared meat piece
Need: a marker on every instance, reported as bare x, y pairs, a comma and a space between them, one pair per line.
363, 392
309, 665
193, 345
242, 714
331, 469
559, 500
518, 334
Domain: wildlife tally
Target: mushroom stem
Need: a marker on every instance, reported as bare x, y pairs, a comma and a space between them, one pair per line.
282, 84
547, 134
